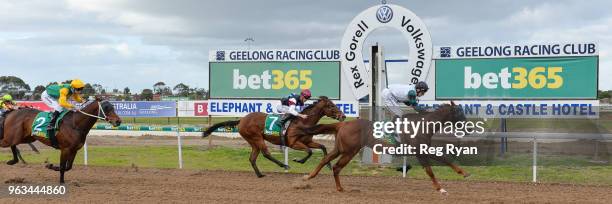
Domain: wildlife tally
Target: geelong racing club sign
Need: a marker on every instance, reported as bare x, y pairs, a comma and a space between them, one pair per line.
386, 15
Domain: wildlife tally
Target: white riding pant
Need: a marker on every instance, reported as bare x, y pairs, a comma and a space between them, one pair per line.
391, 103
51, 102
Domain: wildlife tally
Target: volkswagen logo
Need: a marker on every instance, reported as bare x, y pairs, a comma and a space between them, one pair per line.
384, 14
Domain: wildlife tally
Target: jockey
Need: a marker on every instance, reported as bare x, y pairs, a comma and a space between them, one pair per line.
56, 96
407, 94
289, 104
6, 105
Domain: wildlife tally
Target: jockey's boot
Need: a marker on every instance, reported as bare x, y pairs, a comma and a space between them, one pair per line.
51, 126
283, 132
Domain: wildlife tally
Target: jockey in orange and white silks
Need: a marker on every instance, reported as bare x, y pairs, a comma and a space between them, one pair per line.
403, 93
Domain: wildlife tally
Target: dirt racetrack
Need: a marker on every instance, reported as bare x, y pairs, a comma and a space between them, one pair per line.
120, 185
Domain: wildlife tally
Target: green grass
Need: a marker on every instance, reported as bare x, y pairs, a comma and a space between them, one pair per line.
516, 168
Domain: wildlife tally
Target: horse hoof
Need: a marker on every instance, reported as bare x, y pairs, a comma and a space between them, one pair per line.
298, 161
443, 192
305, 177
340, 189
287, 167
261, 176
49, 166
11, 162
467, 175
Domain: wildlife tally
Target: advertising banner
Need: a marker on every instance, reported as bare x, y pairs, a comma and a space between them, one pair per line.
34, 104
517, 78
145, 108
266, 80
244, 107
524, 108
192, 108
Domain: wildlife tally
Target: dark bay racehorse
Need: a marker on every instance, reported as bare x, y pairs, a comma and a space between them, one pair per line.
351, 136
71, 135
251, 128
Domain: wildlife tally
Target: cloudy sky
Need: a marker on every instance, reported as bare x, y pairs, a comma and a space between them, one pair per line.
135, 43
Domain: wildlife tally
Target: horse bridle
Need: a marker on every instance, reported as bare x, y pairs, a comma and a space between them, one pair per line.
99, 111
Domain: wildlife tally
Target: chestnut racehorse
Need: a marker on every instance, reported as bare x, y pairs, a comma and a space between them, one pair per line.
71, 135
251, 128
351, 136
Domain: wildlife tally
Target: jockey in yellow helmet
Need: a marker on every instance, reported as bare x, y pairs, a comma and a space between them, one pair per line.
6, 104
56, 96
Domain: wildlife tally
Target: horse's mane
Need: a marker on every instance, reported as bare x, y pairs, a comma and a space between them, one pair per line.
315, 103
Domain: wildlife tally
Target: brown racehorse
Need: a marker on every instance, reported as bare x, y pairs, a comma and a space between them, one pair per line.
351, 136
71, 135
251, 128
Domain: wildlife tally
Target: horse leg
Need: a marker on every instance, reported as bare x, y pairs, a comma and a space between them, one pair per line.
312, 144
20, 157
424, 160
342, 162
34, 148
264, 149
70, 160
301, 146
455, 168
326, 160
253, 160
64, 157
15, 155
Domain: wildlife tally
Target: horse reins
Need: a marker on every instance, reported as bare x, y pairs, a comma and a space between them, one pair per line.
96, 116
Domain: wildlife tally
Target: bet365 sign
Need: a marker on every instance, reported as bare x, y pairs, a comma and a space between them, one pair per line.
274, 79
517, 78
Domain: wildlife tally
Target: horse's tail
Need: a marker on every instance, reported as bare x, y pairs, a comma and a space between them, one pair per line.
322, 129
231, 123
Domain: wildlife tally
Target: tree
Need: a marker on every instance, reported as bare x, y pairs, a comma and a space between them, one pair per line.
159, 87
88, 90
182, 89
98, 89
146, 95
603, 94
14, 86
199, 94
37, 92
126, 91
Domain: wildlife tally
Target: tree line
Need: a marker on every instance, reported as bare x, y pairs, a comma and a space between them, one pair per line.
20, 90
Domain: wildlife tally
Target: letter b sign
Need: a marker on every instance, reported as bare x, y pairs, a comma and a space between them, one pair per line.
200, 109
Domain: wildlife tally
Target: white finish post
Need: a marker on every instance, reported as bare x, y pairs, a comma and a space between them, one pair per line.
404, 169
180, 144
85, 153
286, 152
535, 160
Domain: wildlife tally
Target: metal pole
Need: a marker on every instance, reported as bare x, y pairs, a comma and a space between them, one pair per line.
180, 145
535, 160
210, 136
286, 152
404, 167
85, 153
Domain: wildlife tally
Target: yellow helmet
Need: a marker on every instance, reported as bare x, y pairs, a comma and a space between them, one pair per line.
77, 84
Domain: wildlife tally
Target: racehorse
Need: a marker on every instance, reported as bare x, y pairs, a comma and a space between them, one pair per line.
351, 136
73, 130
251, 128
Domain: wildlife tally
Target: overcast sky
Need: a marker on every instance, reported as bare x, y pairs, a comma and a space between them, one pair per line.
135, 43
